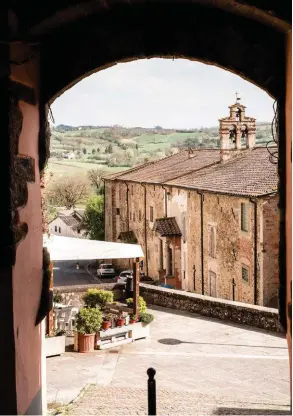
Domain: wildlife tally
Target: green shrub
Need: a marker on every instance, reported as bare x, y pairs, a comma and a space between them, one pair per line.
88, 320
57, 298
97, 298
146, 318
141, 304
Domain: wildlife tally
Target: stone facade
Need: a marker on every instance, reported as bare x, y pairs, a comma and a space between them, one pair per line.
234, 248
207, 220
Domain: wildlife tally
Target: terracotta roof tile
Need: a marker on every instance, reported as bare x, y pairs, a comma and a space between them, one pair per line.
128, 237
250, 174
167, 227
170, 167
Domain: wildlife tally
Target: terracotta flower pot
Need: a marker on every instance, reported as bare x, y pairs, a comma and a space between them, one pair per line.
120, 321
86, 342
132, 321
106, 325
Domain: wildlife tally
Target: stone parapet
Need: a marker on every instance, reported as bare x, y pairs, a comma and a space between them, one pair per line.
240, 313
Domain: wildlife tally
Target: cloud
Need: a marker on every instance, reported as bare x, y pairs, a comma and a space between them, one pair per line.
179, 93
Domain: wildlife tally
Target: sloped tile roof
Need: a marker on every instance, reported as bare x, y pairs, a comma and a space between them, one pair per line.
70, 221
170, 167
128, 237
250, 174
167, 227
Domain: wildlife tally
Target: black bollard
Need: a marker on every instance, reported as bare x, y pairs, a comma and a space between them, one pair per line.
152, 411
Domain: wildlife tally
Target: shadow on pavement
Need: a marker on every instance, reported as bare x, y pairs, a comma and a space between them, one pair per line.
173, 341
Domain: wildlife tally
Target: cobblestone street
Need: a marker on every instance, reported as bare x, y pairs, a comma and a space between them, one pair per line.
203, 366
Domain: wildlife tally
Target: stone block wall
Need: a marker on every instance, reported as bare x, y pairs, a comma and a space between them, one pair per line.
271, 237
72, 295
240, 313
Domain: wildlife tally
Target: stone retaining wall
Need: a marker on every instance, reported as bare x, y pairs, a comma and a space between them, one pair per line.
240, 313
72, 295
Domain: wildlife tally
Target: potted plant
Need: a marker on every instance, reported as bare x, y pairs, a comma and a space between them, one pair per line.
107, 322
146, 318
55, 345
120, 321
141, 329
133, 319
141, 304
87, 322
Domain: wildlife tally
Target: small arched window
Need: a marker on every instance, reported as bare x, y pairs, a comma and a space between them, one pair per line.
212, 242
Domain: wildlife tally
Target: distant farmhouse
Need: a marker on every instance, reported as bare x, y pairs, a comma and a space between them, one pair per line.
68, 224
207, 220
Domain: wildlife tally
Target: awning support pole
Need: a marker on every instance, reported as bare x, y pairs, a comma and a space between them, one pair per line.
136, 280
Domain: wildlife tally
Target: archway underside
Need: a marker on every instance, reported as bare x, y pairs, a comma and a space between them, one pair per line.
242, 46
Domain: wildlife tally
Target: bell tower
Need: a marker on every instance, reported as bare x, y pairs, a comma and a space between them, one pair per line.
237, 132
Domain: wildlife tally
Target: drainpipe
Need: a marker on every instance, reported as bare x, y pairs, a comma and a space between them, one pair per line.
166, 206
254, 201
145, 232
201, 236
104, 202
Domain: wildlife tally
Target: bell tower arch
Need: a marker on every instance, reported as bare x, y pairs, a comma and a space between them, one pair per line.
236, 131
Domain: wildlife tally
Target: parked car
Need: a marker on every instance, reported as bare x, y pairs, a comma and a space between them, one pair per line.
105, 270
123, 276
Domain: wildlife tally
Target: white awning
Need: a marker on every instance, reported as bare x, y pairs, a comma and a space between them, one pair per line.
67, 248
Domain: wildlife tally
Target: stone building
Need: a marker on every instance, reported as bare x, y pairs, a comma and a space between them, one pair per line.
207, 220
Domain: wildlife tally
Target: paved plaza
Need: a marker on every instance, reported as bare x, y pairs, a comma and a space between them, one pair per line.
204, 367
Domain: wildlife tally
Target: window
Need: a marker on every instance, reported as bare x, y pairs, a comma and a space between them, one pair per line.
130, 215
133, 216
131, 189
149, 256
212, 242
78, 231
244, 217
59, 230
55, 228
151, 214
245, 273
117, 211
139, 215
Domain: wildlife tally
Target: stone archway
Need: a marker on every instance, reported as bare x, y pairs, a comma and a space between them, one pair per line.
60, 43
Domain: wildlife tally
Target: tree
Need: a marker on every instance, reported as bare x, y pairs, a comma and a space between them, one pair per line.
98, 149
68, 191
84, 151
93, 151
93, 222
95, 177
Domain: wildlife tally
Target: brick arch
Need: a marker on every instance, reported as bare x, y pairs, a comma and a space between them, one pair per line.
243, 46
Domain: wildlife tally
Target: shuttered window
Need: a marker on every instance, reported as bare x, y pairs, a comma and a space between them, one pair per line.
244, 217
245, 274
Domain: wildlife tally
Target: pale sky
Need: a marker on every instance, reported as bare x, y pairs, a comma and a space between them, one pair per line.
150, 92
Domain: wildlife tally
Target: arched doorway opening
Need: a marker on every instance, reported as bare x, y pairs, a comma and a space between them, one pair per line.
98, 35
